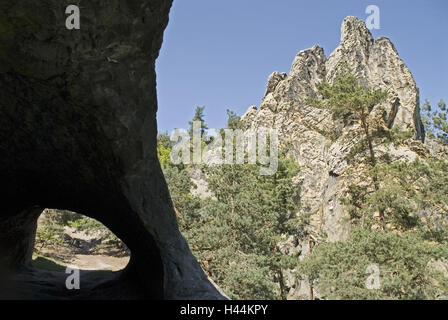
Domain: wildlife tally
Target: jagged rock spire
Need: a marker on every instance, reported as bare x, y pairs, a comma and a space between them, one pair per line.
376, 64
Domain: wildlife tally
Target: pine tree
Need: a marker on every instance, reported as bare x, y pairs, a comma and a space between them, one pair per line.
347, 100
233, 120
411, 198
436, 121
235, 233
198, 116
185, 204
404, 264
244, 224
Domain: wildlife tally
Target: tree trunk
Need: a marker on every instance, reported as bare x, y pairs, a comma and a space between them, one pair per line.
310, 282
373, 164
282, 284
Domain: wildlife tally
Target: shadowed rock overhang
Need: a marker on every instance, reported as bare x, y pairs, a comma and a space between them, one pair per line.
78, 132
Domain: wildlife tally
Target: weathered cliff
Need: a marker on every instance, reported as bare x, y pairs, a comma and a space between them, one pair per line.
78, 132
325, 174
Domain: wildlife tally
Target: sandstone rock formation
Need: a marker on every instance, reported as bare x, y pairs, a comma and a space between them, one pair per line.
324, 176
78, 132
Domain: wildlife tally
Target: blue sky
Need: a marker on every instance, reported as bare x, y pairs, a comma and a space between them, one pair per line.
220, 53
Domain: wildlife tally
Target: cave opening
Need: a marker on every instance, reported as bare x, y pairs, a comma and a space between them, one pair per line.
79, 134
51, 254
65, 238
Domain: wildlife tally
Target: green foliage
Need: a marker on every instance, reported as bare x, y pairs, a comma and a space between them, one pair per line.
235, 232
233, 123
164, 140
198, 116
86, 224
403, 260
243, 276
51, 232
402, 196
396, 136
46, 236
50, 228
349, 101
241, 227
164, 145
233, 120
185, 204
346, 98
421, 184
164, 155
407, 192
59, 218
435, 121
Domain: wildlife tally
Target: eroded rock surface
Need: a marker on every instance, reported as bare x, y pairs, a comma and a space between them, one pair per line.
324, 176
78, 132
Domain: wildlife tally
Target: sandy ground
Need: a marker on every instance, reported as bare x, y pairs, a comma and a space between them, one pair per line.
98, 262
86, 255
66, 257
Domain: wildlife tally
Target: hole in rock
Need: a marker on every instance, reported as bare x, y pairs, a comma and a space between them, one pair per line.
333, 174
65, 238
73, 257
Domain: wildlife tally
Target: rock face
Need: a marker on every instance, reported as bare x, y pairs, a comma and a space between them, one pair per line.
323, 177
78, 132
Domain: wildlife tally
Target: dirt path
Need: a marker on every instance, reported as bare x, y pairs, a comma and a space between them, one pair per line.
98, 262
93, 248
64, 256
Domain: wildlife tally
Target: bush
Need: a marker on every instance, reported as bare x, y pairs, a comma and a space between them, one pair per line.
339, 269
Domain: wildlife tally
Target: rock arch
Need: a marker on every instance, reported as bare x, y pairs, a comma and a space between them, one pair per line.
78, 132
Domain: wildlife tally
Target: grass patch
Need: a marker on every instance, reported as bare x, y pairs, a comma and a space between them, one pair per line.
49, 264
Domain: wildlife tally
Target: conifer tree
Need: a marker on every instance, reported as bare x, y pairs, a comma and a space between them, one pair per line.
401, 267
436, 121
198, 116
347, 100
